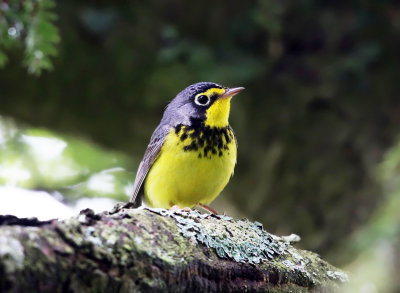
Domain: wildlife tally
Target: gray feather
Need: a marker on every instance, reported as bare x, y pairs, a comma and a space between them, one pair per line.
150, 156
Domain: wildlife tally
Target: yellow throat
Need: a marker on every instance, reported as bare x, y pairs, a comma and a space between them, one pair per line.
217, 115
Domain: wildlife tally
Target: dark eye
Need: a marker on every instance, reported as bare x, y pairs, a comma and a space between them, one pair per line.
202, 100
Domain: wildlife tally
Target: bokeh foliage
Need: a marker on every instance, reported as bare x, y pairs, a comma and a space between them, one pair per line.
28, 24
39, 159
374, 248
320, 108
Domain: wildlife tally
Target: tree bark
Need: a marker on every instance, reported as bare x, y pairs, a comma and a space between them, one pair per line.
155, 250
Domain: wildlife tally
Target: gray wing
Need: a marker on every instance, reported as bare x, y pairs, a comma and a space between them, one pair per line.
150, 155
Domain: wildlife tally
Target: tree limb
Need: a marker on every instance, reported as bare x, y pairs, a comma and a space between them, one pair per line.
155, 250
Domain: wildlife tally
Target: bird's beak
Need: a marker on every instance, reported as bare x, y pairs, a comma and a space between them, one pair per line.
231, 92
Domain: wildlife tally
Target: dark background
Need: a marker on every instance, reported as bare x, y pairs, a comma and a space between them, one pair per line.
317, 122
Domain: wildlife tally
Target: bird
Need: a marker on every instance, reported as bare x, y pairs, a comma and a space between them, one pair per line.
192, 152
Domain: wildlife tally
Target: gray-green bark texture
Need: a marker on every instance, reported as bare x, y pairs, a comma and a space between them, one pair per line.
155, 250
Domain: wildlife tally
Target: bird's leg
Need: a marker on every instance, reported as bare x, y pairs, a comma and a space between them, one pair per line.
176, 207
208, 209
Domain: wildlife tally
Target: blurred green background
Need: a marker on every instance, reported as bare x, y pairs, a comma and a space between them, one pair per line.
84, 84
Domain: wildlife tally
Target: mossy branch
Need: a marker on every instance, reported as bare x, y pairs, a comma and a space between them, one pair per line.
128, 250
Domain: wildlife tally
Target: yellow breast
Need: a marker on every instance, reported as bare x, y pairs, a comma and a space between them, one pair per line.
194, 166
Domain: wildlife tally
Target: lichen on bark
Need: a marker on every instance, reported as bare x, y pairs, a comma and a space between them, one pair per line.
131, 250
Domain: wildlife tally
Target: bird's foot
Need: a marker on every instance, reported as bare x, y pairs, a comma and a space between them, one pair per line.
176, 207
208, 209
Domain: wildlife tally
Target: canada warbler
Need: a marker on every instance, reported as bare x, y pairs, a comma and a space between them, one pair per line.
192, 152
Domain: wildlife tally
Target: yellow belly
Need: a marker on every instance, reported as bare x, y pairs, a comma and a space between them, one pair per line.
185, 178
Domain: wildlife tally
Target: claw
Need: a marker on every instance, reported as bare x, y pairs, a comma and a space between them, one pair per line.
208, 209
176, 208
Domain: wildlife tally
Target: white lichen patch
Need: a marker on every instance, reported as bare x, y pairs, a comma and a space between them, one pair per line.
138, 239
300, 265
92, 237
336, 275
297, 257
11, 252
112, 239
240, 240
292, 238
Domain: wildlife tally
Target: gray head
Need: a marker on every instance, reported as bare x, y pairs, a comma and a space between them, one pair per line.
192, 105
